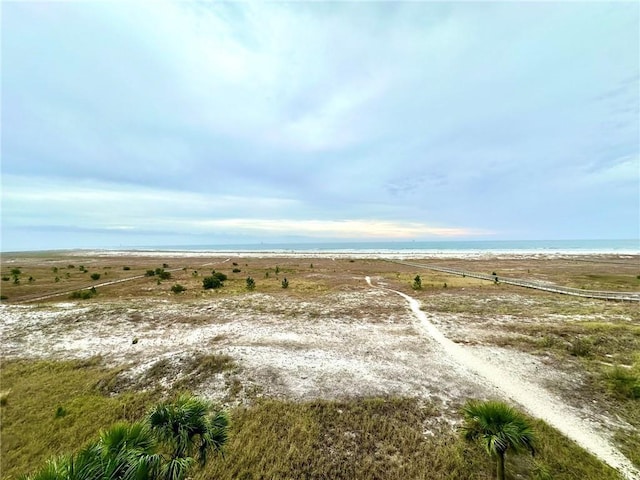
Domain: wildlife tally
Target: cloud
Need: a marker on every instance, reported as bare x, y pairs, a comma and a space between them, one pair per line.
459, 115
341, 229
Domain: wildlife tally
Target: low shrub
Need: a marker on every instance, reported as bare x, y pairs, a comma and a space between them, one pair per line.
285, 283
177, 288
623, 382
417, 283
220, 276
82, 294
126, 268
580, 347
5, 278
236, 270
95, 276
251, 284
150, 273
211, 282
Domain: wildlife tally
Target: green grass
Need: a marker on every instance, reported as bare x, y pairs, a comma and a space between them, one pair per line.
56, 407
362, 438
629, 444
603, 341
605, 281
376, 439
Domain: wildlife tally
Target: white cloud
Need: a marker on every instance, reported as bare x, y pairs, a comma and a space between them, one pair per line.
415, 114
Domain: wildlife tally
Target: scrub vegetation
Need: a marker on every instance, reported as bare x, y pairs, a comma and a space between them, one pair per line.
56, 406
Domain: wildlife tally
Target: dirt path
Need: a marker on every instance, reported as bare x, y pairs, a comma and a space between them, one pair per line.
97, 285
533, 398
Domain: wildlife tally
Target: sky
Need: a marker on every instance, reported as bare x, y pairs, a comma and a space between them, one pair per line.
193, 123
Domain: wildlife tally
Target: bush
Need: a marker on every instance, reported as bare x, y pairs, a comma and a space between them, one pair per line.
126, 268
83, 294
165, 265
219, 275
4, 297
251, 284
54, 269
285, 283
417, 283
177, 288
623, 382
95, 276
31, 279
5, 278
164, 275
580, 347
236, 270
70, 266
150, 273
57, 279
211, 282
235, 264
16, 271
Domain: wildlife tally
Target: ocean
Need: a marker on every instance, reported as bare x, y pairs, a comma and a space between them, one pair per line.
436, 247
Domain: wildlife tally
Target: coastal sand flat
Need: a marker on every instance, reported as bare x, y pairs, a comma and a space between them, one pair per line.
336, 337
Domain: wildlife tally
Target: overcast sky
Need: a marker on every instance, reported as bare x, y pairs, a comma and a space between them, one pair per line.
160, 123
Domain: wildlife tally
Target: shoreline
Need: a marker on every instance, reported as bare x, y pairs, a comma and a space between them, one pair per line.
377, 254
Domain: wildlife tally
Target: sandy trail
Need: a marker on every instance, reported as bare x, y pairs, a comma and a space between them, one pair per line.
533, 398
103, 284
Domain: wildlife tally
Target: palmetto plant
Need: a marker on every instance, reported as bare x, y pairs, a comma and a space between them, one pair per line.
189, 431
123, 452
164, 447
499, 427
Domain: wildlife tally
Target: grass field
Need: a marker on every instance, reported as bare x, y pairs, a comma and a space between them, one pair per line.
324, 379
55, 407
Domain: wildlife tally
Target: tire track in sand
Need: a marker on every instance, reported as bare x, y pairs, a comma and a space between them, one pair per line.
536, 400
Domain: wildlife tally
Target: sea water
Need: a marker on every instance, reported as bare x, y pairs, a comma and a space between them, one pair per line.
435, 247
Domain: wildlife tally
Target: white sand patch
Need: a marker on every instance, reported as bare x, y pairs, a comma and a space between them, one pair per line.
512, 378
